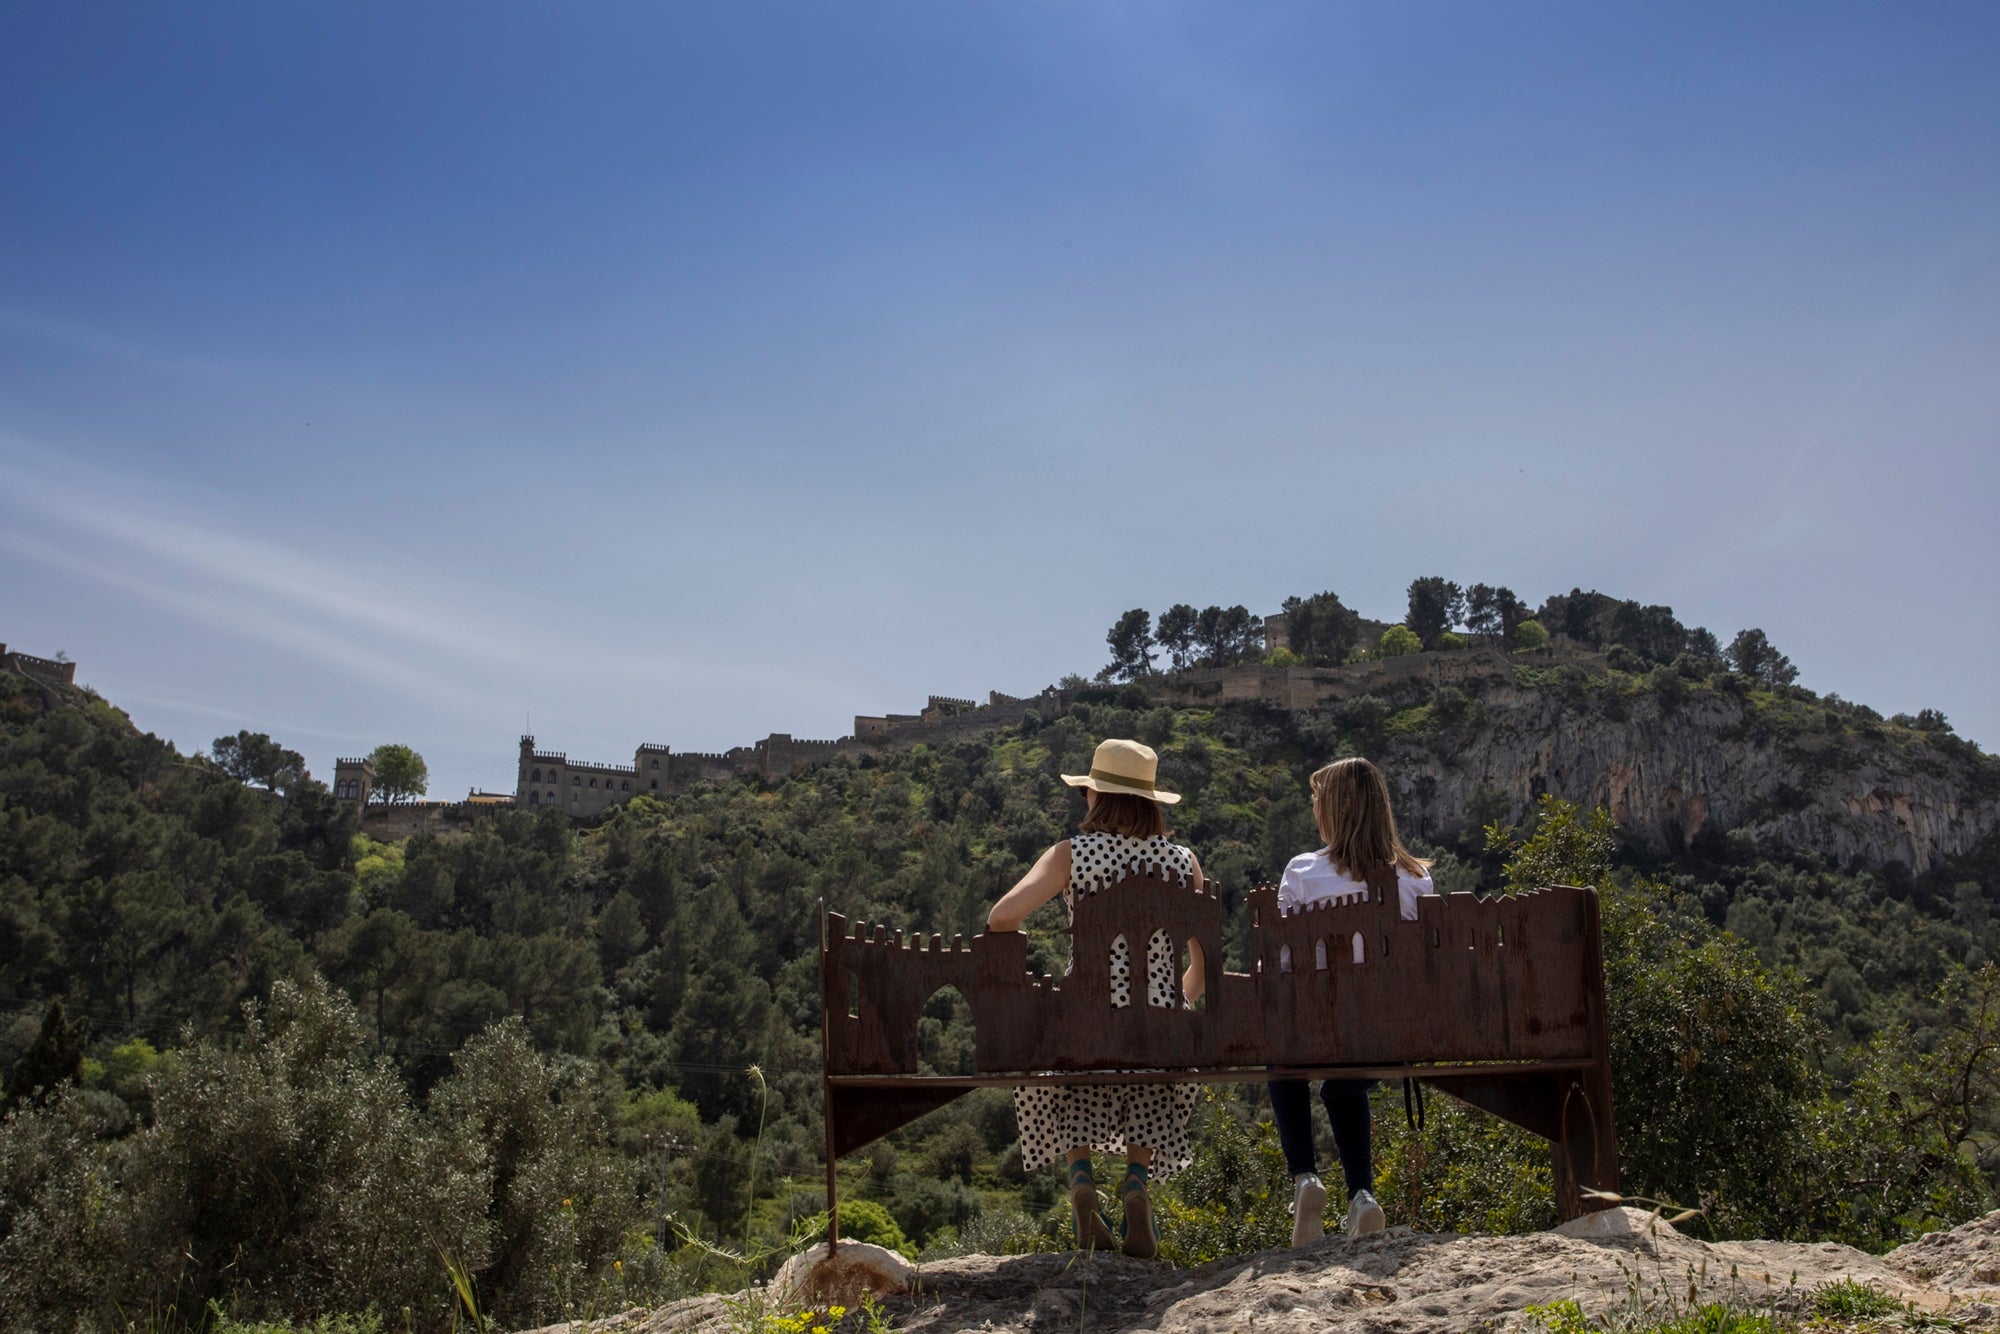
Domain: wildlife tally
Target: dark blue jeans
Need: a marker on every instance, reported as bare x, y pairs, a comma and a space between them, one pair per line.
1346, 1107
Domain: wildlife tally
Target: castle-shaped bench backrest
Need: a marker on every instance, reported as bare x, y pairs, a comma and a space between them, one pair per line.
1512, 978
1499, 1002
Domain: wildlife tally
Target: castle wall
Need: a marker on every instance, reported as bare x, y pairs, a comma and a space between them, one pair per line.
47, 671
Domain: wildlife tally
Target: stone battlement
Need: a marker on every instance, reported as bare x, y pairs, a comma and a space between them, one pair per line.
47, 671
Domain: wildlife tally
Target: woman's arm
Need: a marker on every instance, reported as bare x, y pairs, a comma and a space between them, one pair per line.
1044, 880
1195, 980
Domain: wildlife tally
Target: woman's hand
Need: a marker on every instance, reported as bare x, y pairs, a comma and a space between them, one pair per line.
1045, 879
1195, 980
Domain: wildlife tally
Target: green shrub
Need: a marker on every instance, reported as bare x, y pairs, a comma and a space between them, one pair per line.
1397, 641
924, 1207
556, 1201
1234, 1198
1848, 1300
289, 1175
865, 1220
61, 1251
223, 1323
1465, 1171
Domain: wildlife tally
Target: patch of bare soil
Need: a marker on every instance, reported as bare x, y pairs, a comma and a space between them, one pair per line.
1399, 1282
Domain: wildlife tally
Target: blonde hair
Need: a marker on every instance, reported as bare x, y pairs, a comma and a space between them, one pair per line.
1351, 805
1124, 813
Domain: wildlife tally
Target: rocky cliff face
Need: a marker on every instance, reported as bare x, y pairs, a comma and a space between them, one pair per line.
1797, 776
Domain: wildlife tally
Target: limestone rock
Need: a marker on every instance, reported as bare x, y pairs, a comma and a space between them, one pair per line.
1616, 1224
1412, 1282
1964, 1259
855, 1268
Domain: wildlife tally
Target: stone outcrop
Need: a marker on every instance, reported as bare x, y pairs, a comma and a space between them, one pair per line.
1630, 1264
1965, 1260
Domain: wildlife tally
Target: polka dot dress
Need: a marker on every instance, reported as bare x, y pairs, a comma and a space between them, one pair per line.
1055, 1119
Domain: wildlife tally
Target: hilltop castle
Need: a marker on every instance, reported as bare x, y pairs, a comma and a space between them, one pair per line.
45, 671
546, 778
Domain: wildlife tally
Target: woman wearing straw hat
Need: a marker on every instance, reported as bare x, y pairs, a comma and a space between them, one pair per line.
1124, 832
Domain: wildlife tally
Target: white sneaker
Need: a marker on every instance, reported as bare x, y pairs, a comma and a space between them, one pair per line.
1364, 1215
1308, 1211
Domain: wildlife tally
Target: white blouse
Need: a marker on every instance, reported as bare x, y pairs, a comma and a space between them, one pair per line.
1310, 877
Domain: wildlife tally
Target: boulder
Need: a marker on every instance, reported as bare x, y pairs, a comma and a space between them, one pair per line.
840, 1279
1615, 1224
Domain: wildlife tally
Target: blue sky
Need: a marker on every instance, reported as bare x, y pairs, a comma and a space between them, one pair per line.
674, 373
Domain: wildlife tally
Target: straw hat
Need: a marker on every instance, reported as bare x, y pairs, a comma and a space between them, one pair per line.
1125, 767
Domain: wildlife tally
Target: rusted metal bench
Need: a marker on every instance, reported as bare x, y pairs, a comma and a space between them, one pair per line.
1497, 1002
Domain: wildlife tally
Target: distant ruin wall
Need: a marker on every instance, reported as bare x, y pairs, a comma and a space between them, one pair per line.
48, 671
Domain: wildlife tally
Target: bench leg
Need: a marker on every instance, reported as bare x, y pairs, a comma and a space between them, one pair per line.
1571, 1111
1585, 1150
832, 1177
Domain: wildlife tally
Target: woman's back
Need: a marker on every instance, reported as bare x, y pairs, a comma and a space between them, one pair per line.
1311, 877
1097, 862
1101, 859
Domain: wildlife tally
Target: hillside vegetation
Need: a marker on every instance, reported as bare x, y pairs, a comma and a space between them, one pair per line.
294, 1071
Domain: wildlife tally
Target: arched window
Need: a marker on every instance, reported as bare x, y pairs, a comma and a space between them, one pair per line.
656, 763
656, 785
575, 780
537, 777
534, 798
625, 787
593, 782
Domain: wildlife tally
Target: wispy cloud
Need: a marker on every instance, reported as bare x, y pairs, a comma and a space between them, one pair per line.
411, 631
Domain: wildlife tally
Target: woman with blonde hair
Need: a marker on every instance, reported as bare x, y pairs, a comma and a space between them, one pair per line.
1124, 833
1351, 807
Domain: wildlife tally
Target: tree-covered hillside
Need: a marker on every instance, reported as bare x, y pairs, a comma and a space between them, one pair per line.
1789, 1025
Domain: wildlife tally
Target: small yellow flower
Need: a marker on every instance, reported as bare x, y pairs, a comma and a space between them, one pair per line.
618, 1265
565, 1204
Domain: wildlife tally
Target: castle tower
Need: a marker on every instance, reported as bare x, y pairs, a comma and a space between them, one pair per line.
650, 765
354, 780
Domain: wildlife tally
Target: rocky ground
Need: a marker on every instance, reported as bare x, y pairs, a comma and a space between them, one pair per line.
1619, 1263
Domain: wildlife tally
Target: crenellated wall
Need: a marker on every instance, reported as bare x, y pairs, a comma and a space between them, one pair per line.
47, 671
